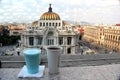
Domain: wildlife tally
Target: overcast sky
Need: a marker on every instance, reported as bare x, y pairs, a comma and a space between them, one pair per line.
93, 11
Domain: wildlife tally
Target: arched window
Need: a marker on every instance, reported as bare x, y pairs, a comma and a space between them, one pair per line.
56, 24
43, 24
59, 24
40, 24
53, 24
50, 33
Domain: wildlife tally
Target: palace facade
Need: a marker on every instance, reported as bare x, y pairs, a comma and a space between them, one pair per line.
50, 30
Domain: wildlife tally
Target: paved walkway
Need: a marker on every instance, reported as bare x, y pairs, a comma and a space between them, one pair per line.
104, 72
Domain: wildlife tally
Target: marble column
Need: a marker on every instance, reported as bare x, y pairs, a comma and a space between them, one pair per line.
35, 42
72, 39
21, 40
63, 40
57, 42
44, 41
27, 41
65, 44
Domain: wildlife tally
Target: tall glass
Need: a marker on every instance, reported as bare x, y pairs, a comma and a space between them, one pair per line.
53, 56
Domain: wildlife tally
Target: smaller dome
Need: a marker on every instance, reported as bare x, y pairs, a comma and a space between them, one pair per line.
50, 15
35, 23
66, 23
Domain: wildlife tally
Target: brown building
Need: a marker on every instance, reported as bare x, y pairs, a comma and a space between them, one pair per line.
105, 36
15, 29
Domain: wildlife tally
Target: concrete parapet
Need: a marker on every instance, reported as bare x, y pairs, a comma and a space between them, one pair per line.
66, 60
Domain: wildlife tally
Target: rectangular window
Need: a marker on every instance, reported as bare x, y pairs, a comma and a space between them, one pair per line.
53, 24
39, 42
59, 24
40, 24
43, 24
69, 51
49, 24
69, 39
15, 33
119, 38
56, 24
46, 24
31, 41
50, 41
60, 40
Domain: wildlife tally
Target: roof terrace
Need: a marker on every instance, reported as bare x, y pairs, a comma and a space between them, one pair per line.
72, 67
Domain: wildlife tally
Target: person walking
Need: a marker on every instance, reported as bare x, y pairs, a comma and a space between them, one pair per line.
81, 52
18, 53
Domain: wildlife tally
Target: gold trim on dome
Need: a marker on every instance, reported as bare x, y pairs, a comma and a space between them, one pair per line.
50, 16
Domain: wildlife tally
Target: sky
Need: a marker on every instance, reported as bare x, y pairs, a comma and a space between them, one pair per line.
92, 11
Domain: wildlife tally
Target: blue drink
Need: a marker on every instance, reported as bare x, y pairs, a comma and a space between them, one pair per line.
32, 59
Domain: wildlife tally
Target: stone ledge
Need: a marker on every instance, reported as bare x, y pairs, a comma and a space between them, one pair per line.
65, 60
104, 72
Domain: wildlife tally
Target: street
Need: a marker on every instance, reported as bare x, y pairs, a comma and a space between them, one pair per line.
85, 46
5, 49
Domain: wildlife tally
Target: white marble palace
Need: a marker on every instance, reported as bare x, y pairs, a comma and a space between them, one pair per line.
50, 30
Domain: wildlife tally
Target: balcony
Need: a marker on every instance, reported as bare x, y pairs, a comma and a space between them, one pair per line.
72, 67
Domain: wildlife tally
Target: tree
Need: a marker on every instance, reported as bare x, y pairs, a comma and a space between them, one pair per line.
5, 31
5, 39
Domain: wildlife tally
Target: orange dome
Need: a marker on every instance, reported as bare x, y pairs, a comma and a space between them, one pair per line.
50, 15
35, 23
